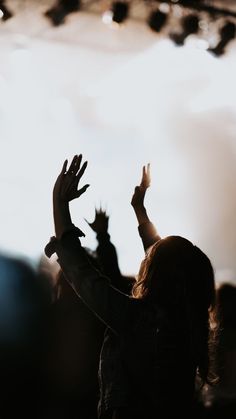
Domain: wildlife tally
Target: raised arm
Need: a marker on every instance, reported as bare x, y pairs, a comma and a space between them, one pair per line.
147, 230
66, 190
93, 288
106, 251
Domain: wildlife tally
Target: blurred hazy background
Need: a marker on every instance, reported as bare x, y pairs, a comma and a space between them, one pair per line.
123, 96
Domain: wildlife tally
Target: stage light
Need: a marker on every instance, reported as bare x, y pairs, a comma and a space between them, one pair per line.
58, 13
70, 5
119, 10
5, 13
190, 26
227, 34
157, 20
194, 14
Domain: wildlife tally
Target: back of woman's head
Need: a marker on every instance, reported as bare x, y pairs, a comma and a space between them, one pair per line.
178, 277
175, 270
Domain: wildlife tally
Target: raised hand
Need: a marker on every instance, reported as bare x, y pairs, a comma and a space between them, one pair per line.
140, 191
147, 230
64, 191
100, 223
66, 186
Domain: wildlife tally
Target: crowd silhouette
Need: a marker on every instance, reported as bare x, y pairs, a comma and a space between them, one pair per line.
79, 339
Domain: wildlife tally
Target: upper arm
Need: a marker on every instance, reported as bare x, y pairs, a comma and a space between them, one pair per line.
148, 234
109, 304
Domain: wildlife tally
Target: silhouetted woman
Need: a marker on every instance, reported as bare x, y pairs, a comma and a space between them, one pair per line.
157, 340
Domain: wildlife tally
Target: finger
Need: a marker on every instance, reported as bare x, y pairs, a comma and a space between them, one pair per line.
98, 209
81, 172
71, 168
81, 191
143, 175
63, 170
148, 174
105, 211
77, 163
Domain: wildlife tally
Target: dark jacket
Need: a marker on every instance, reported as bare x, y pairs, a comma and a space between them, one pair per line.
145, 364
108, 263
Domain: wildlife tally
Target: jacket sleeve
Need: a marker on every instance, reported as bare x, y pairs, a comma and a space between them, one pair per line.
148, 234
109, 304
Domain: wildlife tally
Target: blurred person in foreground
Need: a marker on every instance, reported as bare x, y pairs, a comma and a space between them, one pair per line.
159, 339
23, 310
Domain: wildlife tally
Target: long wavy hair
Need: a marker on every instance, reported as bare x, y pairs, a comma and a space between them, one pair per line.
178, 277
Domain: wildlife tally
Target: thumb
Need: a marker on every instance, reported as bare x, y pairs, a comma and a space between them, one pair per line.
81, 191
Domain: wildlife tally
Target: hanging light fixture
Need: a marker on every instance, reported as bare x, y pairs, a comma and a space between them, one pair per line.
120, 11
162, 18
58, 13
190, 25
157, 20
227, 34
5, 13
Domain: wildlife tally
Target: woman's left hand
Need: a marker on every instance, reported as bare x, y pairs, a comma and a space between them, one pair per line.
66, 185
140, 191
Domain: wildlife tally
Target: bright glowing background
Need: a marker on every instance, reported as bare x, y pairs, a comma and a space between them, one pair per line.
123, 98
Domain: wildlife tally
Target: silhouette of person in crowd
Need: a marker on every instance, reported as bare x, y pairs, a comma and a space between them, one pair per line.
107, 255
157, 340
71, 357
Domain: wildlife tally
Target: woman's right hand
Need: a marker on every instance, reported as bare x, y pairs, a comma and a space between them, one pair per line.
140, 191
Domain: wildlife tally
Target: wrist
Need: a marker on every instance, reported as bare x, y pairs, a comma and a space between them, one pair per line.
60, 203
61, 210
141, 215
62, 218
101, 232
139, 207
103, 235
